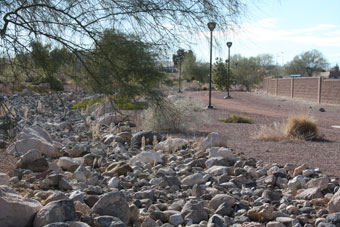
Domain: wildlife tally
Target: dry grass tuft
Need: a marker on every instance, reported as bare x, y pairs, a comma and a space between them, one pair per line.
297, 128
236, 118
274, 132
302, 127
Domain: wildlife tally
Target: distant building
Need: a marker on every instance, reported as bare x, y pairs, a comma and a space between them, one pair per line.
330, 74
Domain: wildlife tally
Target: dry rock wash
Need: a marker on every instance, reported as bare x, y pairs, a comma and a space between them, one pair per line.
78, 169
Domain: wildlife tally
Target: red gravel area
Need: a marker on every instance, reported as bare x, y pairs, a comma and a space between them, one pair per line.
265, 109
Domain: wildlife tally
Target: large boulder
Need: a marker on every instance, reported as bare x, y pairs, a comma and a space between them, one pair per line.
16, 210
112, 204
214, 139
33, 138
109, 118
33, 160
56, 211
334, 203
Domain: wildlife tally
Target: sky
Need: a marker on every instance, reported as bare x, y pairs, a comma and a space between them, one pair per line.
282, 28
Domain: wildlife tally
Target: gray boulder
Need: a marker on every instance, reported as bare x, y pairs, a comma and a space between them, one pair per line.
56, 211
112, 204
16, 210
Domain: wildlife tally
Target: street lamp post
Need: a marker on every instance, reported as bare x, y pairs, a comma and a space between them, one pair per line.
211, 26
228, 76
180, 55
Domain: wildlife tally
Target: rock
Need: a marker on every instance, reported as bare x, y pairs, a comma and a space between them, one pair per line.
321, 183
191, 180
109, 118
216, 221
149, 222
118, 168
261, 213
16, 210
108, 221
334, 203
113, 182
136, 139
112, 204
57, 211
218, 199
309, 193
195, 211
33, 160
274, 224
333, 219
220, 152
297, 183
55, 196
298, 170
68, 164
216, 161
146, 157
33, 138
214, 139
4, 179
172, 145
218, 170
176, 219
77, 150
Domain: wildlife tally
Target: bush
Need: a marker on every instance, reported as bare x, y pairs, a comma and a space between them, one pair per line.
89, 102
182, 115
235, 118
302, 127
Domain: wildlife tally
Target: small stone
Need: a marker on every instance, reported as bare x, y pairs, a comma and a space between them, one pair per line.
176, 219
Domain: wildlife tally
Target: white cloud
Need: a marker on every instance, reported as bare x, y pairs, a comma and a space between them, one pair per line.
267, 30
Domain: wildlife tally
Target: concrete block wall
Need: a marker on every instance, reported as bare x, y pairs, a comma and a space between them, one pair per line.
313, 89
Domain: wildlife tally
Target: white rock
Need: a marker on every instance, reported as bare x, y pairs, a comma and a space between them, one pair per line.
151, 157
221, 152
334, 203
4, 179
172, 145
297, 182
66, 163
217, 170
113, 182
33, 138
15, 209
214, 139
196, 178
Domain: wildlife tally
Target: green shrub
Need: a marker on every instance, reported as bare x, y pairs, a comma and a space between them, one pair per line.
235, 118
89, 102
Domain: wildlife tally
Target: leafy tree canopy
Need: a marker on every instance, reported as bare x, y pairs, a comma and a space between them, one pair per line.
307, 63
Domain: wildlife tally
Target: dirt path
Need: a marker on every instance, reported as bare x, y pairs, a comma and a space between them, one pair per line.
266, 109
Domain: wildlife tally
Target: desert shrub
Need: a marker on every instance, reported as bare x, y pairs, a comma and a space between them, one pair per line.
236, 118
302, 127
181, 115
88, 102
191, 86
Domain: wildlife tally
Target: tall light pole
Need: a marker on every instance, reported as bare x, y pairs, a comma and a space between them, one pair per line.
211, 26
228, 76
180, 55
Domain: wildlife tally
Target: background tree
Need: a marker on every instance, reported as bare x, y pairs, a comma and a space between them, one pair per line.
219, 74
124, 65
307, 63
77, 24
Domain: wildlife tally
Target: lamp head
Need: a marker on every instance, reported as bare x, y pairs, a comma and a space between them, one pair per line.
211, 26
229, 44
